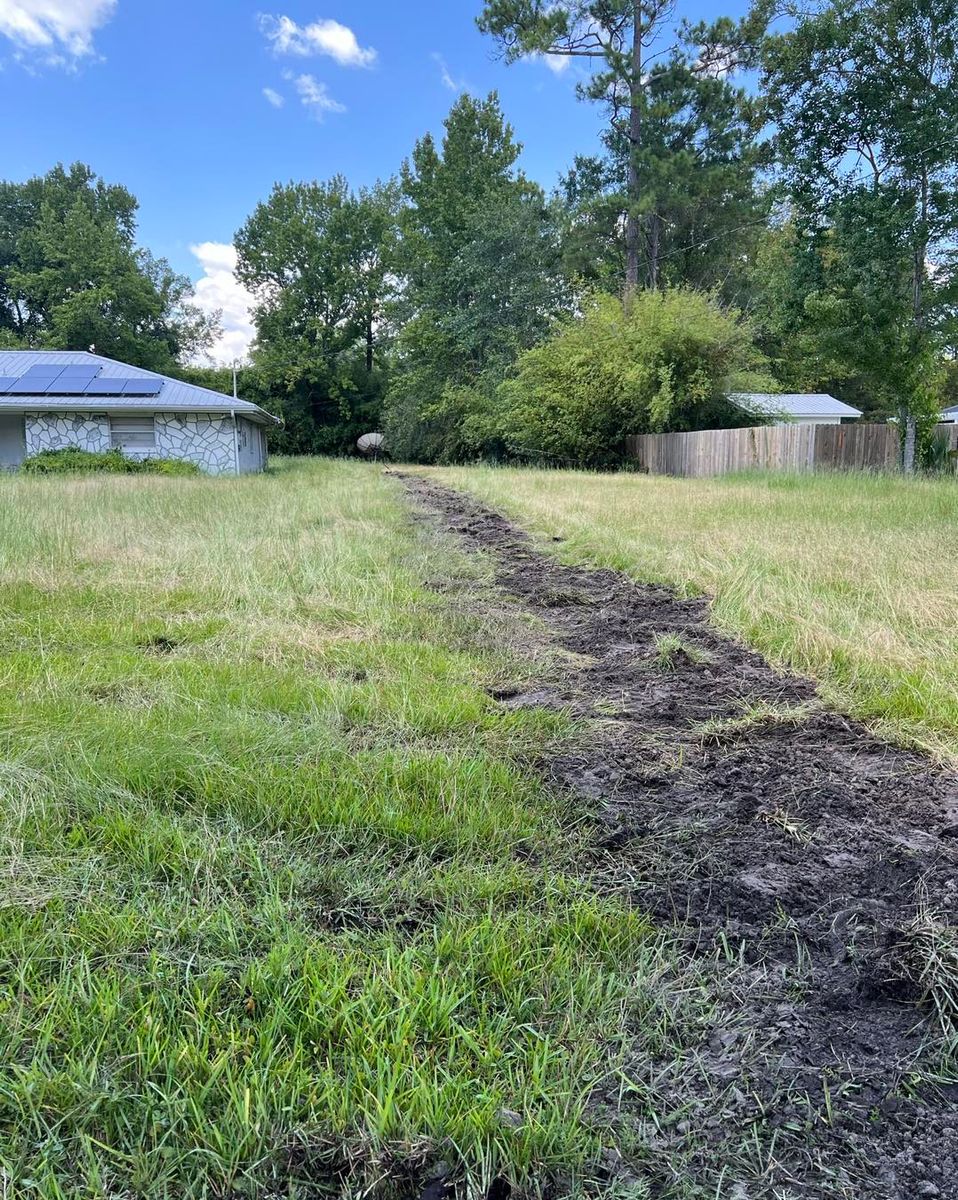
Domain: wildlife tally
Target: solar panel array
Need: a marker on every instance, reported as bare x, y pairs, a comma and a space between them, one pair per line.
60, 380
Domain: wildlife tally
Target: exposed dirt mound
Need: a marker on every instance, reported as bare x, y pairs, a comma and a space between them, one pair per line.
810, 870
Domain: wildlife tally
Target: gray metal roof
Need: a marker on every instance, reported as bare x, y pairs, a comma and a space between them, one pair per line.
794, 404
174, 396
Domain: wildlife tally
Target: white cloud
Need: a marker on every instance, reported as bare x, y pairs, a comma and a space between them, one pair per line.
273, 97
454, 85
218, 290
314, 96
60, 30
558, 64
321, 37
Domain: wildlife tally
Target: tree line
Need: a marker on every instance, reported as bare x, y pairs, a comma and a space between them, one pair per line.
773, 205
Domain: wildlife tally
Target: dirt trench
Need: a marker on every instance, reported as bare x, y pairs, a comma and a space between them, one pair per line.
809, 872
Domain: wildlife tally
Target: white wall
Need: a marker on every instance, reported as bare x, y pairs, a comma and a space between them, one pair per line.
251, 443
811, 421
12, 441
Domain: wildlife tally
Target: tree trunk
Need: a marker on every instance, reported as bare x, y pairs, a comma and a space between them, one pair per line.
908, 445
919, 254
655, 249
633, 231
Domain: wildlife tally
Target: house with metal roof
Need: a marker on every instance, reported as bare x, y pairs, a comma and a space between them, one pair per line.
53, 399
948, 415
796, 408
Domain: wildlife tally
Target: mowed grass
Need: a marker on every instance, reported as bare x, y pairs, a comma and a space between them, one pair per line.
852, 578
281, 912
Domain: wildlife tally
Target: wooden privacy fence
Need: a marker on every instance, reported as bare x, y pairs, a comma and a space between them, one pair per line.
772, 448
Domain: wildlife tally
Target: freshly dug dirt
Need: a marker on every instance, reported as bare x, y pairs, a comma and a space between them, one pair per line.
805, 866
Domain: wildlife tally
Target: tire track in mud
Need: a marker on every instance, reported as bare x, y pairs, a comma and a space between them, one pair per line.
808, 869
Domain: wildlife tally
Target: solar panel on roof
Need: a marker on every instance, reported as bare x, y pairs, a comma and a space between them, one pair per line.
5, 382
43, 382
62, 386
67, 387
42, 371
26, 387
142, 387
102, 387
80, 372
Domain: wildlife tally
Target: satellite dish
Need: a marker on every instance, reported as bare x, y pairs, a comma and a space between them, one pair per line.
371, 444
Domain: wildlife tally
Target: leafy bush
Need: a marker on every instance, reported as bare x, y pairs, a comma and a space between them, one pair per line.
168, 466
936, 455
54, 462
665, 361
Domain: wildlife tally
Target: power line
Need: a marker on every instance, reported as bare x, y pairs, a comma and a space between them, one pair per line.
865, 168
714, 238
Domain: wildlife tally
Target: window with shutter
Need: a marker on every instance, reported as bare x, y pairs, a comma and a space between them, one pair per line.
132, 432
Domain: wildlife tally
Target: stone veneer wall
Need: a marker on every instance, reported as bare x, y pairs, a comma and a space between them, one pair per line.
198, 437
203, 439
62, 431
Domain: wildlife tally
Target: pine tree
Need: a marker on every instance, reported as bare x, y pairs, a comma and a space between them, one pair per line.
682, 139
865, 96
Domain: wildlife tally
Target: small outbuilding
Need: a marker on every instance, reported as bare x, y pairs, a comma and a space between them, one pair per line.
54, 400
948, 415
796, 408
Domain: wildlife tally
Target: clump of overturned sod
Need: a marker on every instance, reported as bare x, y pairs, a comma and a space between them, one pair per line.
278, 904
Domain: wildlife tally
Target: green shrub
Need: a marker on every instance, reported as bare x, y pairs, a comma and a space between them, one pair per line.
665, 361
169, 466
53, 462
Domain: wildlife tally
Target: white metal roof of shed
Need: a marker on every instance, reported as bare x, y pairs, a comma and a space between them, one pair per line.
795, 404
174, 395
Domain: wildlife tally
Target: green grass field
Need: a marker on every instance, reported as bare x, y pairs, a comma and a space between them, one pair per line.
850, 578
282, 909
279, 902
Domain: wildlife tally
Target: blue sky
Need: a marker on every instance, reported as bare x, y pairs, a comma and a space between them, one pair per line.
199, 106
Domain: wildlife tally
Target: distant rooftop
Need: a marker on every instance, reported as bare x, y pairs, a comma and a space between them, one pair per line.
76, 380
794, 404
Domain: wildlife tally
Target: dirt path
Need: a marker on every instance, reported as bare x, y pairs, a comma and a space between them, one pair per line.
808, 869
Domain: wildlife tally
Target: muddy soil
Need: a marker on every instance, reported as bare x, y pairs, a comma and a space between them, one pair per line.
791, 851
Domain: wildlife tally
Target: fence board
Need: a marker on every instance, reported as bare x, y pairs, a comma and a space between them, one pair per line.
950, 432
771, 448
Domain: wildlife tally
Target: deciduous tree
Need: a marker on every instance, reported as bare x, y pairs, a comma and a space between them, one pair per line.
479, 265
317, 258
865, 95
71, 275
664, 360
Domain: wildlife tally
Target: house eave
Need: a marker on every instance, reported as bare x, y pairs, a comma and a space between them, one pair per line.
113, 404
